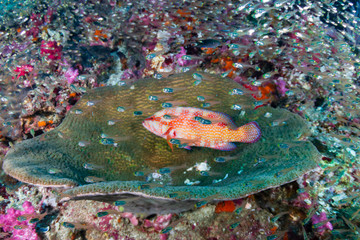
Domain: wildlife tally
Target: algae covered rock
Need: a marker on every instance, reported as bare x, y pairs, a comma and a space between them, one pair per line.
101, 150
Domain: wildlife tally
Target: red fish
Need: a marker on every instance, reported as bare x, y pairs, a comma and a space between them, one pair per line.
200, 128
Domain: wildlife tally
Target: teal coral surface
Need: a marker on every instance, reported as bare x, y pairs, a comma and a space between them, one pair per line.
101, 147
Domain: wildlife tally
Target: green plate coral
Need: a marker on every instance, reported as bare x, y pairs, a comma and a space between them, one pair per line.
101, 150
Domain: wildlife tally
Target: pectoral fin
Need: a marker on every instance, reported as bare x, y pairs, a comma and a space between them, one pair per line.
225, 146
187, 148
168, 138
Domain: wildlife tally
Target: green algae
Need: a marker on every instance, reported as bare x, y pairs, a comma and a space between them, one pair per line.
280, 156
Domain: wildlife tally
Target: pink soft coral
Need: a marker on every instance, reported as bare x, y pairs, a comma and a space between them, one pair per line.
322, 220
51, 49
131, 217
159, 223
71, 74
23, 70
179, 56
10, 220
281, 87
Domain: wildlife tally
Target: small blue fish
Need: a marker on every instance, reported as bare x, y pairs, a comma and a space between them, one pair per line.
137, 113
234, 225
200, 204
120, 203
166, 230
166, 105
153, 98
68, 225
168, 90
107, 141
208, 43
120, 109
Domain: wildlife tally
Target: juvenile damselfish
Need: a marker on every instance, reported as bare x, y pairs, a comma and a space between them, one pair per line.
188, 126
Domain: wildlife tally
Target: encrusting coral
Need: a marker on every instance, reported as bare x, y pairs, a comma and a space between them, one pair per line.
102, 151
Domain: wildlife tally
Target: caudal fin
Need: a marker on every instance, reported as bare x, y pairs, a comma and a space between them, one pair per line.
249, 133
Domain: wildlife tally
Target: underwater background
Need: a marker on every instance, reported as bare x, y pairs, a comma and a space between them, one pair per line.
290, 65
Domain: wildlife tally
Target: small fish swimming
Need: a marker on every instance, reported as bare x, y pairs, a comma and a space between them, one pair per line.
200, 128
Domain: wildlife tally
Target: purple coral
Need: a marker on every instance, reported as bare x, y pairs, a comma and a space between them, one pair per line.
321, 219
281, 87
20, 229
179, 56
71, 74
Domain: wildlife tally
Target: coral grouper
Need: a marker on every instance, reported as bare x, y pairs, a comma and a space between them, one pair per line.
200, 128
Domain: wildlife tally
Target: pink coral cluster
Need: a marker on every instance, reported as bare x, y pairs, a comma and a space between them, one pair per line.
23, 70
51, 49
71, 75
37, 20
20, 229
179, 56
303, 200
321, 219
131, 217
280, 86
159, 223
